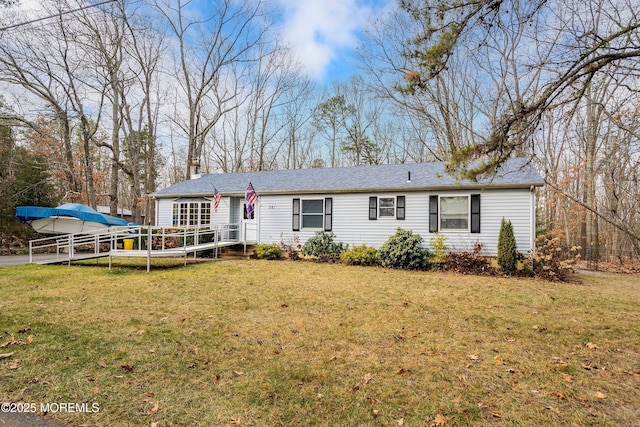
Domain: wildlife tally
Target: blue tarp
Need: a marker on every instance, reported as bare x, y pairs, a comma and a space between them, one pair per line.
76, 210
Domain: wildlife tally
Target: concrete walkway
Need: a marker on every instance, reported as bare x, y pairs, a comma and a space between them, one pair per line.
12, 419
9, 260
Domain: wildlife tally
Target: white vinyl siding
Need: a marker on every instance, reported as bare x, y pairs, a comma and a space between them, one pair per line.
351, 224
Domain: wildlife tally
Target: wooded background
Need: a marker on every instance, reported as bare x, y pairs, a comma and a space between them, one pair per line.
113, 101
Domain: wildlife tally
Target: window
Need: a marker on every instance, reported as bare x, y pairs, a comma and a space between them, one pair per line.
191, 214
312, 213
454, 213
457, 213
387, 207
205, 213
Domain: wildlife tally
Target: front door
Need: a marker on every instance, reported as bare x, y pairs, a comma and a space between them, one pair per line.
247, 223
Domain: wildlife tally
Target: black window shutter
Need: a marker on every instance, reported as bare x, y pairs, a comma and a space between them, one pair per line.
400, 207
433, 214
296, 215
373, 207
328, 213
475, 213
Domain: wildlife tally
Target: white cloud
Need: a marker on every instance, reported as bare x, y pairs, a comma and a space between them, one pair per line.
318, 30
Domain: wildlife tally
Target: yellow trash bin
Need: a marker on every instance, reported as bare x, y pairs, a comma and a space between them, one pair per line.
128, 244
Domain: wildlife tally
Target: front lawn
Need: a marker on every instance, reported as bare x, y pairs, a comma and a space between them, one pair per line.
269, 343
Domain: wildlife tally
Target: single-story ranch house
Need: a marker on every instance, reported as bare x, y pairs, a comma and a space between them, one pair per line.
363, 204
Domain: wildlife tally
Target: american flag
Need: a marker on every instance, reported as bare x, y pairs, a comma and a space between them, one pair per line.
250, 198
216, 199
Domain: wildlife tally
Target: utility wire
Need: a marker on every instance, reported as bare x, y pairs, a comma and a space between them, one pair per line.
55, 16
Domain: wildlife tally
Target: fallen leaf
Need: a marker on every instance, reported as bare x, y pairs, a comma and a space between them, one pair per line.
439, 420
473, 357
591, 346
600, 395
30, 340
401, 422
498, 359
14, 365
154, 409
128, 368
375, 413
568, 378
496, 414
96, 390
154, 424
102, 364
6, 355
236, 421
364, 381
238, 373
463, 377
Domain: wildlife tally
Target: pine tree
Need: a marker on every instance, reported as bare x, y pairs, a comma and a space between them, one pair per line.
507, 249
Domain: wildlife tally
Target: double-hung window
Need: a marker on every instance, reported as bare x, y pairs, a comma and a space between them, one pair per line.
312, 214
454, 213
387, 207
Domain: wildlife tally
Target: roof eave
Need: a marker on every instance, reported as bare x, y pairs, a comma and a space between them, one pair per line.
477, 187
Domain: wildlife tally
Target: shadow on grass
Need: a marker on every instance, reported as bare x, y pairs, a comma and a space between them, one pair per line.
122, 266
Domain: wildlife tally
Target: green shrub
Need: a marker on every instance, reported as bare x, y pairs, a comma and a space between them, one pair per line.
322, 246
360, 255
404, 250
439, 249
507, 249
268, 251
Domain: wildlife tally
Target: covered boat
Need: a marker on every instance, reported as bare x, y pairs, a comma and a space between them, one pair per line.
69, 218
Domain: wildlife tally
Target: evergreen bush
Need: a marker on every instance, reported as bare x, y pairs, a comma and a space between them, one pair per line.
323, 246
507, 249
404, 251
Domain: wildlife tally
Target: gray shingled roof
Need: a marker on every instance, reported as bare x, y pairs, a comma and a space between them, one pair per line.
516, 172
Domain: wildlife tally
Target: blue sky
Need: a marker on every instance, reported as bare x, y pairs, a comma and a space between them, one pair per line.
325, 33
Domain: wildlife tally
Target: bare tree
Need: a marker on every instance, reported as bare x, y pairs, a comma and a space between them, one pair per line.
211, 56
571, 59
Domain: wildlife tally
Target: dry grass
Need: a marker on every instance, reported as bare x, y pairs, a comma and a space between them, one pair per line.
282, 343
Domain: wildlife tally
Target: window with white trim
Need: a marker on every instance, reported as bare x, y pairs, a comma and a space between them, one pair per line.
387, 207
312, 213
191, 214
454, 213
